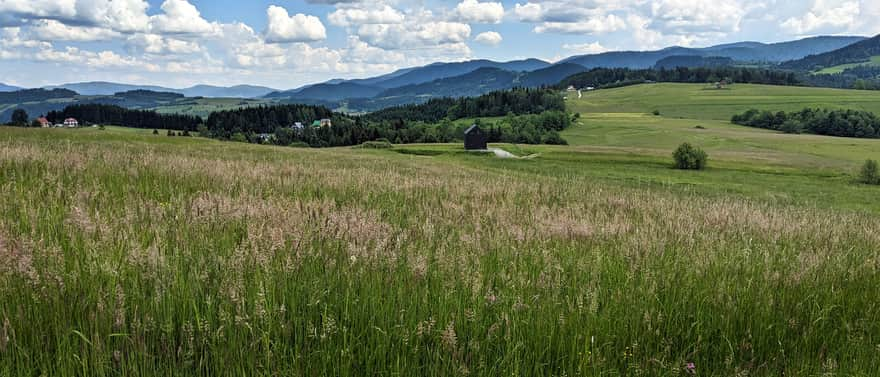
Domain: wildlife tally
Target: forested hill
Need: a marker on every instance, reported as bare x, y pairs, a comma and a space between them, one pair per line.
34, 95
603, 77
532, 116
855, 53
500, 103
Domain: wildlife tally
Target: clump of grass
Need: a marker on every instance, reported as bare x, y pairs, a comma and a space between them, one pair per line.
870, 174
688, 157
377, 144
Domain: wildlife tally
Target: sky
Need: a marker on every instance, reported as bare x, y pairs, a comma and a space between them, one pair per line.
285, 44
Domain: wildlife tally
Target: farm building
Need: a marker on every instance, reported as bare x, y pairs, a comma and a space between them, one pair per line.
475, 138
326, 123
44, 122
71, 123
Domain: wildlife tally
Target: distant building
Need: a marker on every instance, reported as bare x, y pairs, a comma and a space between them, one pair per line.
326, 123
45, 123
71, 123
316, 123
590, 88
475, 139
571, 88
298, 126
264, 137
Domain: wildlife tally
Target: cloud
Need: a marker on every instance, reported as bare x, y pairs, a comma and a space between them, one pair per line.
586, 48
118, 15
824, 16
159, 45
52, 30
472, 11
698, 16
358, 16
489, 38
283, 28
599, 25
180, 17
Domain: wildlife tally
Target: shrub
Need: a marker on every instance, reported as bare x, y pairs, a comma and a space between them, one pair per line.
700, 127
870, 173
155, 132
377, 145
656, 112
689, 157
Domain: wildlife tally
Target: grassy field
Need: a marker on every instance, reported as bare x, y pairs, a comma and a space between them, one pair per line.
203, 107
125, 253
875, 61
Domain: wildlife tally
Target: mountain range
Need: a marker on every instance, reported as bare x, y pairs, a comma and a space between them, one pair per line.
100, 88
8, 88
464, 79
858, 52
742, 51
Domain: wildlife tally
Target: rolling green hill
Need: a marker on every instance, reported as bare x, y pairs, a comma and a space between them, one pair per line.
620, 120
874, 61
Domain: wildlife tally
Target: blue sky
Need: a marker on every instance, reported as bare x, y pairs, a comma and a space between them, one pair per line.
288, 43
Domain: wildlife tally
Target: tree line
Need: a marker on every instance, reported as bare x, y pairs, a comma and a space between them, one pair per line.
844, 123
531, 116
518, 101
120, 116
614, 77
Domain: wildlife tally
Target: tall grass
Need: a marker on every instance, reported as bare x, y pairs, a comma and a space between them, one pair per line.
156, 258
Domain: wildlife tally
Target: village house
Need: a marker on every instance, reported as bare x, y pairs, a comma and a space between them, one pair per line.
326, 123
71, 123
44, 123
297, 126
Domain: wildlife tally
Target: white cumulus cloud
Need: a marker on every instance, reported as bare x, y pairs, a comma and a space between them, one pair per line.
489, 38
283, 28
473, 11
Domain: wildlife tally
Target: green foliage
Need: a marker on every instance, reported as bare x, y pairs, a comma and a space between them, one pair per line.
688, 157
616, 77
155, 132
870, 174
656, 112
532, 115
376, 145
844, 123
119, 116
239, 137
20, 117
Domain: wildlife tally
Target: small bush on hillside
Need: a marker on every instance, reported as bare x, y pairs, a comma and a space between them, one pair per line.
870, 173
656, 112
700, 127
155, 132
376, 144
688, 157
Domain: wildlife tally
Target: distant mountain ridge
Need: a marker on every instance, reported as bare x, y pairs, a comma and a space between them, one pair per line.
857, 52
742, 51
102, 88
8, 88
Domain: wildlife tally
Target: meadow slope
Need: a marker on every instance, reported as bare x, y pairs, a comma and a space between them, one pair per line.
124, 253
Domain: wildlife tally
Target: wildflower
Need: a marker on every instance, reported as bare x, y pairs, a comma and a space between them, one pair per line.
691, 368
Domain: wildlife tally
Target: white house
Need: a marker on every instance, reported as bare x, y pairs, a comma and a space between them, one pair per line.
71, 123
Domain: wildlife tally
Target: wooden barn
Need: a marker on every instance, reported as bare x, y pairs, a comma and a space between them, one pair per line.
475, 138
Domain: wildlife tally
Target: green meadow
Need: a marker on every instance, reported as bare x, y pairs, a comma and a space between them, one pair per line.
874, 61
127, 253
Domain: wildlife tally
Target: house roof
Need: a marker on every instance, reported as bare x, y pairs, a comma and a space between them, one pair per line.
472, 128
70, 120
